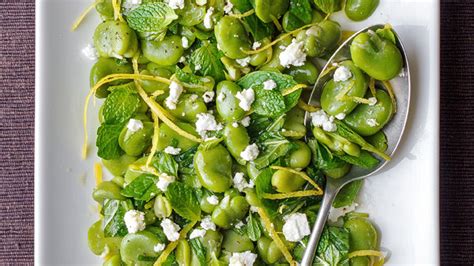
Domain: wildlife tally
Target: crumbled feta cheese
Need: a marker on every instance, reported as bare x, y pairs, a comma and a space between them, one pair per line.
269, 85
250, 153
293, 55
208, 96
235, 124
239, 225
201, 2
228, 7
134, 125
90, 52
335, 213
246, 258
245, 121
197, 233
246, 98
372, 101
221, 97
175, 91
208, 18
402, 73
170, 229
243, 62
206, 122
176, 4
256, 45
372, 122
323, 120
253, 209
185, 42
172, 150
240, 183
214, 200
182, 59
296, 227
164, 181
135, 221
340, 116
159, 247
207, 224
129, 5
197, 67
314, 31
342, 73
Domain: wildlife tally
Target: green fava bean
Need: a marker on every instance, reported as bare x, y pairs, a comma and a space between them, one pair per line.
206, 206
263, 56
115, 260
320, 40
166, 52
252, 198
105, 9
230, 210
226, 103
362, 236
267, 10
284, 181
367, 119
104, 67
301, 157
233, 242
252, 171
294, 122
358, 86
119, 166
162, 207
232, 37
115, 39
107, 190
268, 250
169, 137
95, 238
377, 56
358, 10
137, 245
151, 86
236, 140
134, 143
183, 253
191, 14
305, 74
212, 241
338, 172
213, 167
188, 107
274, 63
379, 140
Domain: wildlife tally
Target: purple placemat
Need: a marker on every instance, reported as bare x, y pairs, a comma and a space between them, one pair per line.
17, 125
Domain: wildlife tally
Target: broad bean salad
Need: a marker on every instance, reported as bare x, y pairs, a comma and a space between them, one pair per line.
202, 125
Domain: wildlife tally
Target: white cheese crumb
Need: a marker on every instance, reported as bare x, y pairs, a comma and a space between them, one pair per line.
134, 125
296, 227
175, 91
228, 7
182, 59
185, 42
170, 229
246, 258
253, 209
372, 122
172, 150
323, 120
208, 96
159, 247
250, 153
244, 61
176, 4
235, 124
201, 2
239, 225
402, 73
246, 98
208, 18
221, 97
214, 200
206, 122
269, 85
197, 67
129, 5
245, 121
335, 213
293, 55
342, 73
90, 52
340, 116
164, 181
197, 233
135, 221
256, 45
207, 224
372, 101
240, 183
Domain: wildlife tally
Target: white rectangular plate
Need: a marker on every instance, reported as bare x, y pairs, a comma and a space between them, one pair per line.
402, 200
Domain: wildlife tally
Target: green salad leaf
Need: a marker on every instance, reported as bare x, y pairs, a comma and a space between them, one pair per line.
364, 160
184, 201
329, 6
165, 163
333, 247
208, 58
199, 250
272, 146
114, 211
348, 194
257, 28
323, 159
107, 141
185, 161
198, 83
151, 18
263, 184
268, 103
120, 105
254, 228
142, 188
299, 14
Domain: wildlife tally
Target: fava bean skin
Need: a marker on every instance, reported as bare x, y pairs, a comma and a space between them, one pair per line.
284, 181
151, 86
301, 157
104, 67
358, 10
236, 139
119, 166
294, 121
267, 10
338, 172
164, 53
138, 244
268, 250
135, 143
168, 137
226, 102
107, 190
233, 242
115, 39
231, 209
362, 236
320, 40
305, 74
232, 37
214, 168
183, 253
188, 107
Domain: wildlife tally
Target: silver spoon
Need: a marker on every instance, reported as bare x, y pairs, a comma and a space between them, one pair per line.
394, 131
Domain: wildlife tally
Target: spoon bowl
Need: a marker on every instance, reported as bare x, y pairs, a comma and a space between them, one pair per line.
393, 130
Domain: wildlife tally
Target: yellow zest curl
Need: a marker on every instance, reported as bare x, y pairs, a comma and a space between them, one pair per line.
389, 89
372, 86
117, 13
340, 96
306, 107
363, 253
84, 14
243, 15
293, 89
294, 194
171, 246
301, 174
98, 173
155, 139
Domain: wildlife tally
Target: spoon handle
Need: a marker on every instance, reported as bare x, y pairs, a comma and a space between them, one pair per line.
329, 194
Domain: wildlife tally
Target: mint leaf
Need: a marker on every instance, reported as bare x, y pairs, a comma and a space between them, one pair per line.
263, 184
120, 105
199, 84
165, 163
151, 17
329, 6
184, 201
199, 250
257, 28
254, 230
364, 160
333, 247
299, 14
323, 159
209, 58
348, 194
142, 188
113, 223
272, 146
268, 103
107, 141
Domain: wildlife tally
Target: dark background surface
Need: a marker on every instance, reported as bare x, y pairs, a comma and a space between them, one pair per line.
17, 132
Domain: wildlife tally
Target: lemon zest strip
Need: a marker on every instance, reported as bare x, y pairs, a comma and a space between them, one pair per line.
363, 253
301, 174
293, 89
155, 139
276, 23
83, 15
243, 15
117, 5
171, 246
307, 107
98, 173
389, 88
294, 194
